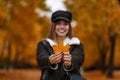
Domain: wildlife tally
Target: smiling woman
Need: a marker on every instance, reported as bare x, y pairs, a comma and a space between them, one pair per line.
60, 55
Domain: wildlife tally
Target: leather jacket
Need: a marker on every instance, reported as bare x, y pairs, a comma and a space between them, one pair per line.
44, 50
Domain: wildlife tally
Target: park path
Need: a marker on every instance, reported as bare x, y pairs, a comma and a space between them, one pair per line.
32, 74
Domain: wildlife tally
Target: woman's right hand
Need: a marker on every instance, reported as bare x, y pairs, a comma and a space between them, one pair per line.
55, 58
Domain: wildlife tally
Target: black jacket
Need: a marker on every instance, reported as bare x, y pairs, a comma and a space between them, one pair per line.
43, 53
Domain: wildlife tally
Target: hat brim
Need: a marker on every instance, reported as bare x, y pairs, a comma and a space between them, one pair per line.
61, 18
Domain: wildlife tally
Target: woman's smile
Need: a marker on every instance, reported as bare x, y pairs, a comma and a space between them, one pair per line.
62, 28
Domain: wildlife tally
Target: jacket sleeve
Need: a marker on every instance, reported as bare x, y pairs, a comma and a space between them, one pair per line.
77, 54
42, 56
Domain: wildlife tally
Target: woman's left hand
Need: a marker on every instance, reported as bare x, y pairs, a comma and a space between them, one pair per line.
67, 59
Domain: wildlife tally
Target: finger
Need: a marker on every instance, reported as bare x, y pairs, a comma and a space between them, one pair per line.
51, 58
66, 53
66, 63
58, 61
56, 58
67, 57
68, 60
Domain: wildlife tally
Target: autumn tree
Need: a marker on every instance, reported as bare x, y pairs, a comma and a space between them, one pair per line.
98, 23
19, 20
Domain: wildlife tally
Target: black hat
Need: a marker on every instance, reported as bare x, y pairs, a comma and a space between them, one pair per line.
60, 14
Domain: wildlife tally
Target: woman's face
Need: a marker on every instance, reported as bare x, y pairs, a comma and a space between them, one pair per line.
62, 28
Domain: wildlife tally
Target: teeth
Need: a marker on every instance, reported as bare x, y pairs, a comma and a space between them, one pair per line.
61, 30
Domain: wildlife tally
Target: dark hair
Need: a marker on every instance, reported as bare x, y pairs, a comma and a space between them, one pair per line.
52, 34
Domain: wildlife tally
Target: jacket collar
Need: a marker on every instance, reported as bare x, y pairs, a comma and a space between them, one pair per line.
66, 41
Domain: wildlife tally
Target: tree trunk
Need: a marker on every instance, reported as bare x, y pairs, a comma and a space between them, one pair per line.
103, 48
9, 56
103, 66
103, 53
111, 58
3, 46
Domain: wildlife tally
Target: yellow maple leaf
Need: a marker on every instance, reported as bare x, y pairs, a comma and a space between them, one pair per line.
60, 47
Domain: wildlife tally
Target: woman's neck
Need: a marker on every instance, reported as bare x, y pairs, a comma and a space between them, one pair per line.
60, 39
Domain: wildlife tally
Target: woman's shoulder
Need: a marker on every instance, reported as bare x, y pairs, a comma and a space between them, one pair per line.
39, 43
48, 41
74, 41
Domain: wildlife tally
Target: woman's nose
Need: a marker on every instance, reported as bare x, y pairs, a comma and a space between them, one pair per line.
62, 26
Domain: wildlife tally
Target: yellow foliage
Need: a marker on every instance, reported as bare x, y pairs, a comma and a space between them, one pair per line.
3, 14
61, 48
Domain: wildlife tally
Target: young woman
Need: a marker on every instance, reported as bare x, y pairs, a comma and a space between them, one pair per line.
60, 53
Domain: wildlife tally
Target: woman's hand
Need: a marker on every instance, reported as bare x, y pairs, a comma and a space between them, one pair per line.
67, 59
55, 58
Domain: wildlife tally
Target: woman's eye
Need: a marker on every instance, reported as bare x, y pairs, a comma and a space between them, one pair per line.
58, 23
66, 24
62, 23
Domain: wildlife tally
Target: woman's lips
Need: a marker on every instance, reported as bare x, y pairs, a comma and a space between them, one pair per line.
62, 31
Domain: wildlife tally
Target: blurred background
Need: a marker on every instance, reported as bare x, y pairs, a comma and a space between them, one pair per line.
23, 23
